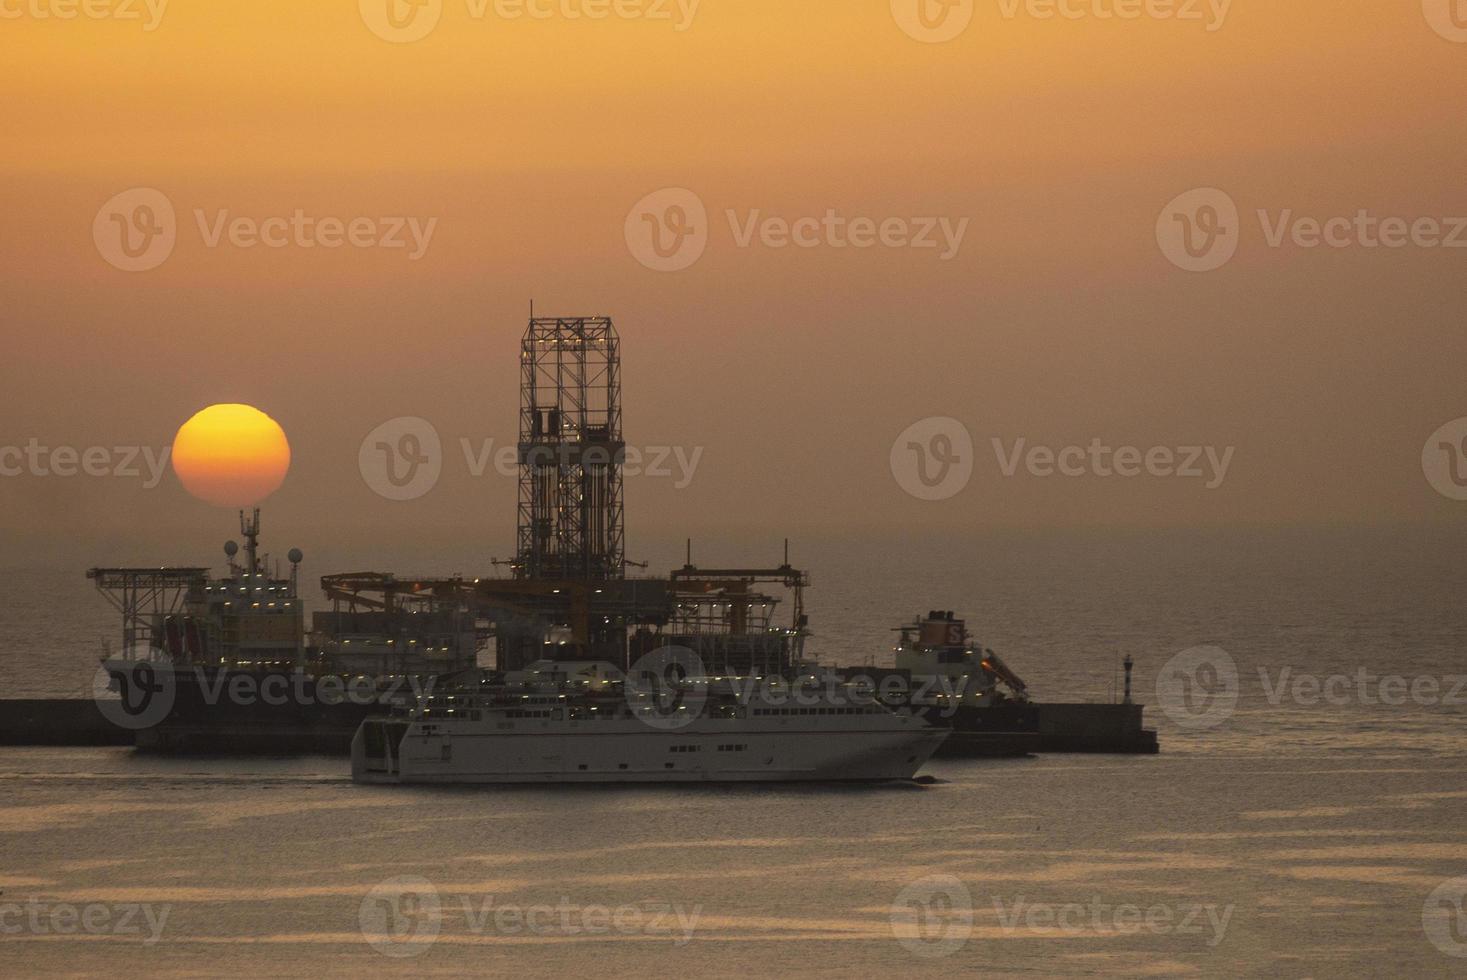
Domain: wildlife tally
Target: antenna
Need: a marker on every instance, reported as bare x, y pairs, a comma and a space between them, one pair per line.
250, 528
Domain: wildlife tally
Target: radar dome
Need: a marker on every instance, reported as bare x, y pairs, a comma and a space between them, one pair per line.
231, 548
295, 555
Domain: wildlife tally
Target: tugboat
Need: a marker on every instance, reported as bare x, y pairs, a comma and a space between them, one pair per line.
989, 707
537, 728
945, 674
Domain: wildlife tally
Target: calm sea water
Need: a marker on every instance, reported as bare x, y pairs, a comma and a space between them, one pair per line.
1306, 818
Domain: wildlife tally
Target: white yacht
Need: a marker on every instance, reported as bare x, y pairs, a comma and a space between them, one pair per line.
724, 729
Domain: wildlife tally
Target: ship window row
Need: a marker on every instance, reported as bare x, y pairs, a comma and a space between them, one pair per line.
591, 714
732, 748
519, 713
685, 748
816, 711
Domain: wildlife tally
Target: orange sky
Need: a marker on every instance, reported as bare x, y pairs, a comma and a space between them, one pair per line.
1059, 320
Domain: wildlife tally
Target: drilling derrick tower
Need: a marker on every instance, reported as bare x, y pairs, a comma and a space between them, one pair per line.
570, 451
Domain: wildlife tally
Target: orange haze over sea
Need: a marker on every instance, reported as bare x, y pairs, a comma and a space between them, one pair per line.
527, 140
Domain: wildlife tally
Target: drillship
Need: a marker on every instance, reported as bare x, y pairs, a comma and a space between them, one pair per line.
606, 730
224, 664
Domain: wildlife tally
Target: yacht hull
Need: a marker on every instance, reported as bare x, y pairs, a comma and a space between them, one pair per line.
388, 752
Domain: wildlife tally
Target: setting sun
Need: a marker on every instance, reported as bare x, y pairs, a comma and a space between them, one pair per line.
231, 455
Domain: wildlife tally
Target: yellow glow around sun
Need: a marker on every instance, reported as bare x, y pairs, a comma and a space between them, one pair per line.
231, 455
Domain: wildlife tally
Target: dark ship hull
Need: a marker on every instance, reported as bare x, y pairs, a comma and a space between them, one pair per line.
225, 711
1003, 730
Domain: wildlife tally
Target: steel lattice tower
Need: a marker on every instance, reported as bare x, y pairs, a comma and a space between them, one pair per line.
570, 451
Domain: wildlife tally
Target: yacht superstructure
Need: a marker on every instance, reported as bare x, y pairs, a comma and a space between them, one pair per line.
726, 729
